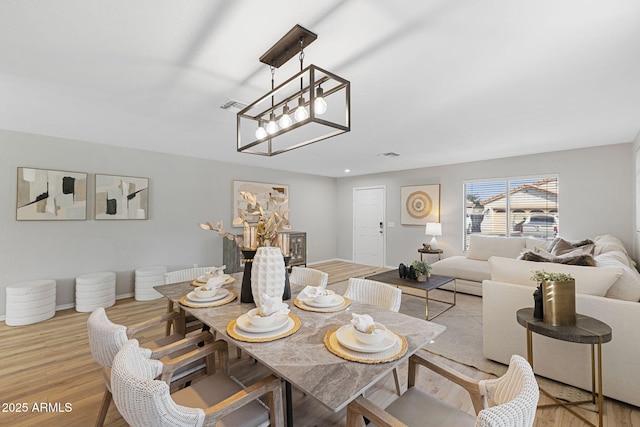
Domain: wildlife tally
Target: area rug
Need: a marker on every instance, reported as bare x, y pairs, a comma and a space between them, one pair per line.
462, 340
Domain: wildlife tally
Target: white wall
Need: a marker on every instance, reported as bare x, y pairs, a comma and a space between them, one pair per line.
183, 192
596, 197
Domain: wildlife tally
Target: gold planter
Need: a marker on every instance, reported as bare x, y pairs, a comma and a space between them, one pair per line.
559, 302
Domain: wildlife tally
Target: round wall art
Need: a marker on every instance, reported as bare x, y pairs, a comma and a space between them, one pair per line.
420, 204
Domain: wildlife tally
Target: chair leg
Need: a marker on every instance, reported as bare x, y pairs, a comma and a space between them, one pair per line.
396, 380
106, 401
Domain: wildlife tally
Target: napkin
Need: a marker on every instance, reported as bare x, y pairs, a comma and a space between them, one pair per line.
214, 283
273, 305
363, 323
311, 292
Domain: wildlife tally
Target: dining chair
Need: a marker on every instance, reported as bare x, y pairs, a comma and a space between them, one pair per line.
510, 400
186, 275
107, 338
308, 277
143, 400
380, 295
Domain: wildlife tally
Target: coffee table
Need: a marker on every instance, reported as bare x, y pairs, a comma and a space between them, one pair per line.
434, 281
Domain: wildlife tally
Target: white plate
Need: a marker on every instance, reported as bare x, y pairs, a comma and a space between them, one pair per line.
202, 279
336, 301
244, 324
346, 337
222, 293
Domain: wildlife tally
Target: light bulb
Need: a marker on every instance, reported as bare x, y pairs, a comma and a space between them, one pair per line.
285, 121
301, 112
260, 132
320, 105
272, 126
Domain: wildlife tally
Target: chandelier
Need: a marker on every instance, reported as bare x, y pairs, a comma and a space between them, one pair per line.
310, 106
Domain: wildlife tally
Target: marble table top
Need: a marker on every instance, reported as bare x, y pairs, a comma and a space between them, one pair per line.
302, 358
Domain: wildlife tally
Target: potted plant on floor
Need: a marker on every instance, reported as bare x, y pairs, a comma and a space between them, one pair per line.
558, 297
422, 270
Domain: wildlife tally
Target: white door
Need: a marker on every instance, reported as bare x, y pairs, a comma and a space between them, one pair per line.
368, 226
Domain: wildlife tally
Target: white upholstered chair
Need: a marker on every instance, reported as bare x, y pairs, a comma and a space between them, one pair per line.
510, 400
214, 400
107, 338
308, 277
380, 295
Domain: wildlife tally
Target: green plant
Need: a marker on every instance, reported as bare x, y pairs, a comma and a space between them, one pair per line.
421, 267
540, 276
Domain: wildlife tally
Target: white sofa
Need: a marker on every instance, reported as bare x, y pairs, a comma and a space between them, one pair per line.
608, 292
471, 269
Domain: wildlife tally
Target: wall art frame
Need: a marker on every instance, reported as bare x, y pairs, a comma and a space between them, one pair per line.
119, 197
50, 195
262, 191
419, 204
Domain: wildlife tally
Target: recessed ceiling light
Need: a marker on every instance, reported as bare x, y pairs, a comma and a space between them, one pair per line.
347, 170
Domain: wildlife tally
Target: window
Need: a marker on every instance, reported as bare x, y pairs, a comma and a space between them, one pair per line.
512, 207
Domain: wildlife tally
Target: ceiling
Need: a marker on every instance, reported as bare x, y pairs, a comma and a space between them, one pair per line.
438, 82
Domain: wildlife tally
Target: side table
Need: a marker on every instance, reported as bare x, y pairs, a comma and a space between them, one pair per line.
438, 252
587, 330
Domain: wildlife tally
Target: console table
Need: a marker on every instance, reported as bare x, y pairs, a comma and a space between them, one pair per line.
586, 330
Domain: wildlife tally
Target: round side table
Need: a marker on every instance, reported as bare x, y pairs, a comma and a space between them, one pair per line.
586, 330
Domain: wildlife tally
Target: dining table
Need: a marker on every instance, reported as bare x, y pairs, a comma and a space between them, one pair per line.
303, 359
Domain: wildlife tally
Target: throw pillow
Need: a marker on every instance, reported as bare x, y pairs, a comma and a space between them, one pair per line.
575, 257
592, 281
560, 246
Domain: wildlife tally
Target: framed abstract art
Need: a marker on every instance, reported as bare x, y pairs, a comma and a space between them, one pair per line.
121, 197
420, 204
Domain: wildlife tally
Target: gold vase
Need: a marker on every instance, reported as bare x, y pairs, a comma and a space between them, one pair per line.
559, 302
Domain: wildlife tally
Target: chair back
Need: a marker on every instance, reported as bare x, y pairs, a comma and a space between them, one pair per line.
186, 274
143, 401
105, 337
308, 277
375, 293
515, 396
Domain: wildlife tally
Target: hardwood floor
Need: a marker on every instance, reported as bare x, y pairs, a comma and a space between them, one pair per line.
50, 363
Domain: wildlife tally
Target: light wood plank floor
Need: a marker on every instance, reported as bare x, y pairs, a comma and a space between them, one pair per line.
50, 362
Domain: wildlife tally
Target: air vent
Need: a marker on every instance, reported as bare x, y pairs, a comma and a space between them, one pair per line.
233, 106
389, 154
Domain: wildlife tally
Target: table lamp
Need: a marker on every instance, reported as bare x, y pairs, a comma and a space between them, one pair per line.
433, 229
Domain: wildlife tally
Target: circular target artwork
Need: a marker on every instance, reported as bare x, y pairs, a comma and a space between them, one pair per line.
420, 204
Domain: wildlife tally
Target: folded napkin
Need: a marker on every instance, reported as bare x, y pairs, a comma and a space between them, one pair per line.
311, 292
216, 272
214, 283
273, 305
363, 323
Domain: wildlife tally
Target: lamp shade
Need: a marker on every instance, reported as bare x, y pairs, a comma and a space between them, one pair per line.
433, 229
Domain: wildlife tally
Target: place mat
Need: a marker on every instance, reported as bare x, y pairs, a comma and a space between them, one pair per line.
229, 281
395, 352
235, 333
192, 304
301, 305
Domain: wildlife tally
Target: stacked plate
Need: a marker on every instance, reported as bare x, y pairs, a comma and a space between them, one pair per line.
347, 338
195, 300
205, 279
335, 301
245, 328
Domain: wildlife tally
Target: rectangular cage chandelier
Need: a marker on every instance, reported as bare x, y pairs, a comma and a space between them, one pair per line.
310, 106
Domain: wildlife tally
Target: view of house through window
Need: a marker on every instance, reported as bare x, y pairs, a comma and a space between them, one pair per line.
512, 207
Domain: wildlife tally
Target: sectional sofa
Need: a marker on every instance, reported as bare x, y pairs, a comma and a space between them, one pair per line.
608, 291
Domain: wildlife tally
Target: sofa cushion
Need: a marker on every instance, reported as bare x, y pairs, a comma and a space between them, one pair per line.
575, 257
589, 280
462, 268
531, 243
608, 243
483, 247
627, 287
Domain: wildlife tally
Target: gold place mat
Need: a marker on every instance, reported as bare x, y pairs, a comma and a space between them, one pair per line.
226, 300
395, 352
239, 335
301, 305
229, 281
